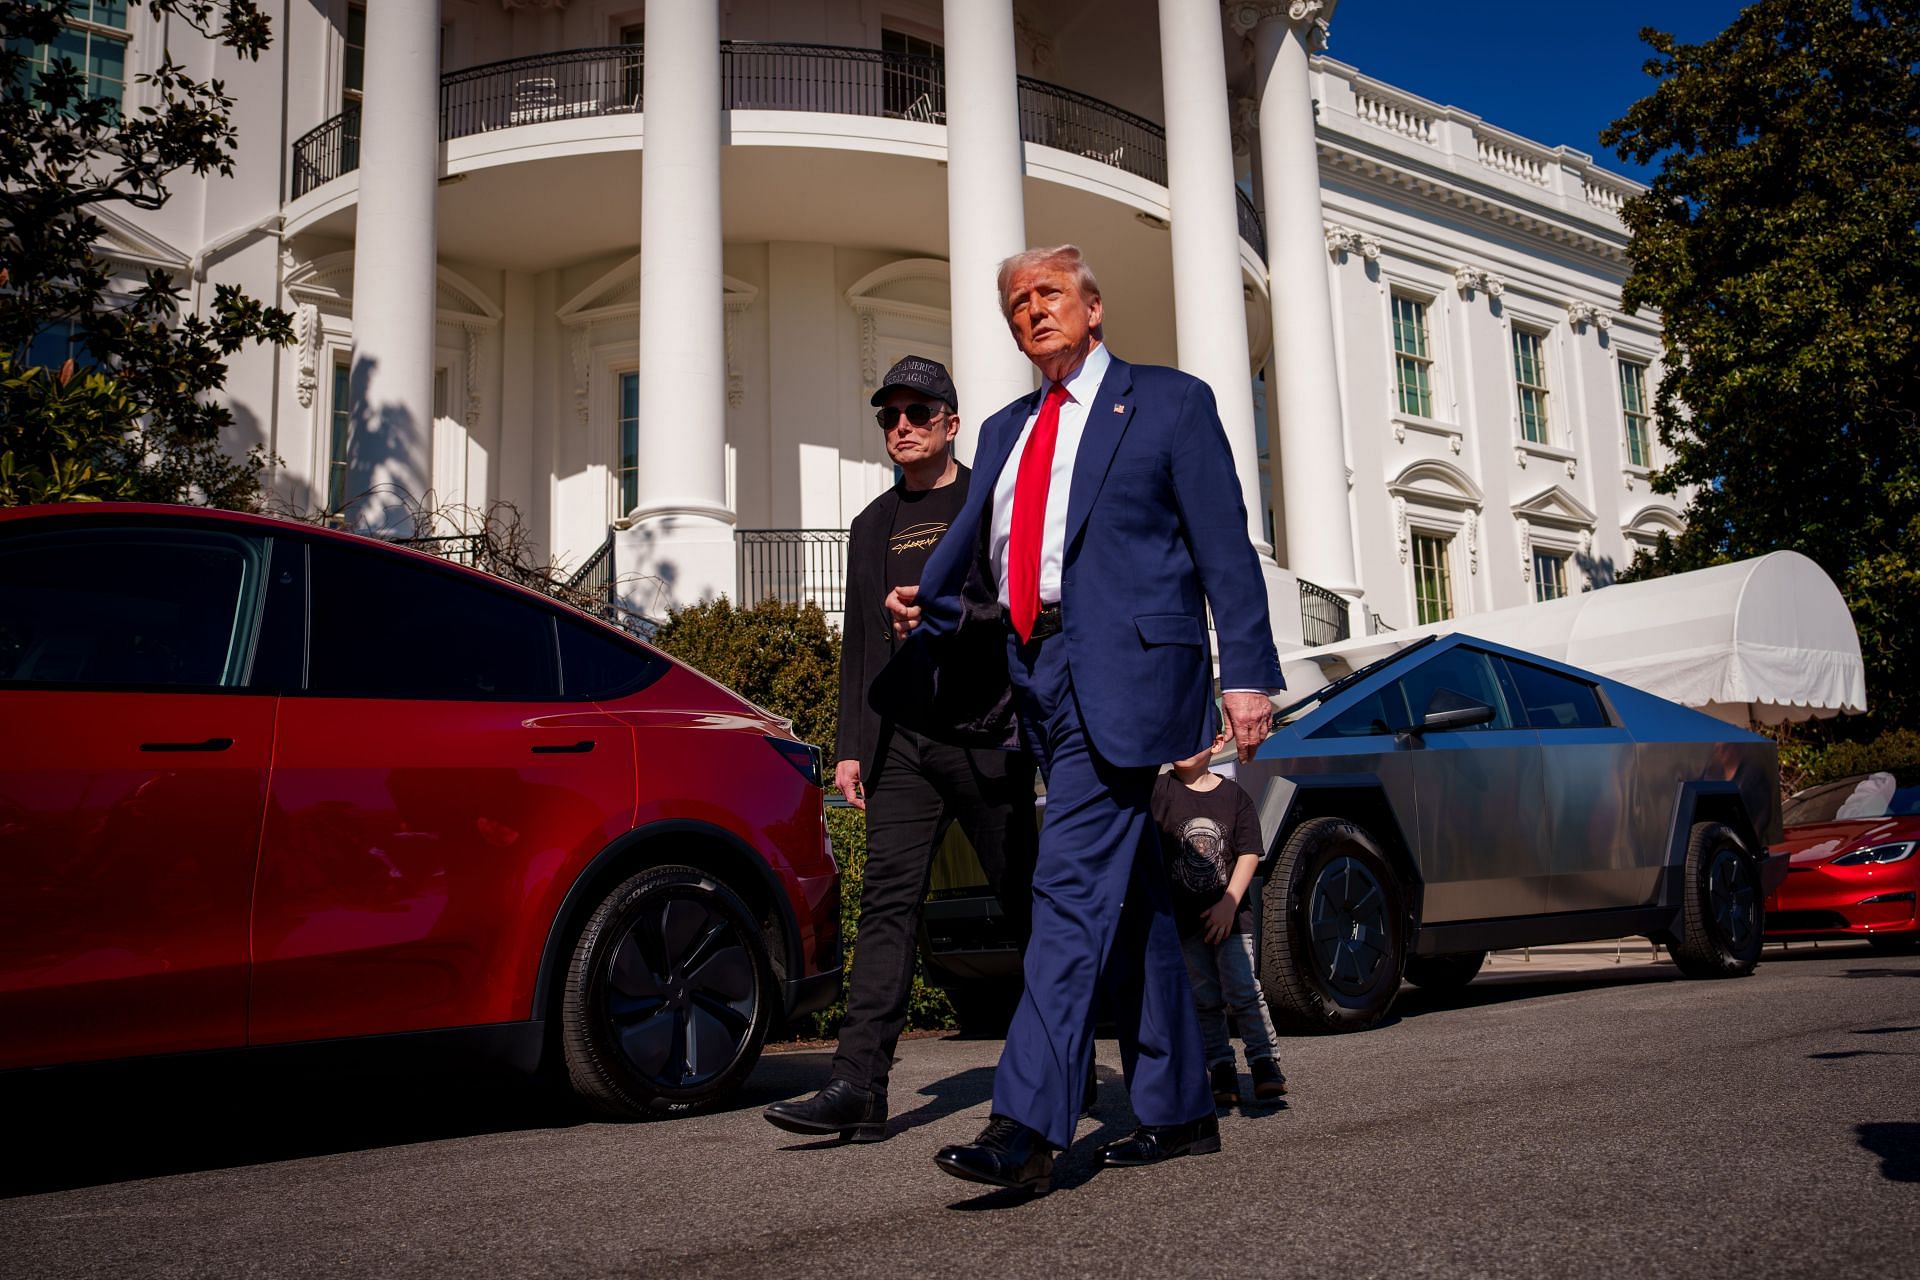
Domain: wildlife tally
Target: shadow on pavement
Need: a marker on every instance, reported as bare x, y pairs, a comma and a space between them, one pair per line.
1414, 1002
90, 1126
1898, 1146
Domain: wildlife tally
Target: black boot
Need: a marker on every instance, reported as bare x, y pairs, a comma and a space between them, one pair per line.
1225, 1082
1268, 1082
1006, 1154
856, 1114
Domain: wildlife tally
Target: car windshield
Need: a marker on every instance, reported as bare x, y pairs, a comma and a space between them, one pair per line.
1887, 794
1294, 710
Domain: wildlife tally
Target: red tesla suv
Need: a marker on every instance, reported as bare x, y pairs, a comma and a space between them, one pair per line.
1854, 869
263, 784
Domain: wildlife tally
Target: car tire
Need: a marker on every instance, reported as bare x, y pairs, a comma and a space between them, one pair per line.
1894, 944
1333, 931
668, 997
1441, 974
983, 1008
1721, 919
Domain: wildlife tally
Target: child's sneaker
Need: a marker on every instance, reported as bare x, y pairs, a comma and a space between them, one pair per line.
1268, 1083
1226, 1084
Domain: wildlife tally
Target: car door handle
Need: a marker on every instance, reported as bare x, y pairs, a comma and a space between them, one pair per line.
577, 748
211, 744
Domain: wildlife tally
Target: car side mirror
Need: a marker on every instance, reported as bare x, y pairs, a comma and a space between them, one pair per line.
1448, 710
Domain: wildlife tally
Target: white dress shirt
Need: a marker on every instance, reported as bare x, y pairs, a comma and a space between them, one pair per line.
1082, 385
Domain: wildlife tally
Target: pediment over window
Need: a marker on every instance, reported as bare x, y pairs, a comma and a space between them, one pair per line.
1554, 506
616, 296
327, 282
1653, 520
1436, 483
903, 306
123, 243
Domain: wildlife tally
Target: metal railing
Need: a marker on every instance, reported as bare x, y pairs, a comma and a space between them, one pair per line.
469, 549
754, 75
1324, 616
1250, 228
793, 566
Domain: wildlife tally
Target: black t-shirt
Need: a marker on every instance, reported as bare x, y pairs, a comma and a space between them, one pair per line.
1203, 833
918, 525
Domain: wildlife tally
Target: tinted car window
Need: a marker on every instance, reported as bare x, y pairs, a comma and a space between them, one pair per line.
594, 664
1383, 711
384, 626
129, 607
1554, 701
1467, 672
1893, 793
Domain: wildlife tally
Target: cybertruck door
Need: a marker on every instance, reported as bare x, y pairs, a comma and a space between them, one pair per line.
1483, 846
1588, 778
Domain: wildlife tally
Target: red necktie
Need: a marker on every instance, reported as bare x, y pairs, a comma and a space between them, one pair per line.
1030, 515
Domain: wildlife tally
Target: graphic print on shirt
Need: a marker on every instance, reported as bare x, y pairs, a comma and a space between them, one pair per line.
917, 537
1201, 867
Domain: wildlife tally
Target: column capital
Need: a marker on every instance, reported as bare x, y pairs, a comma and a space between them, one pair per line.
1310, 17
1245, 117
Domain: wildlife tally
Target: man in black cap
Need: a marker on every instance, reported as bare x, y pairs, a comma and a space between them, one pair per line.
912, 784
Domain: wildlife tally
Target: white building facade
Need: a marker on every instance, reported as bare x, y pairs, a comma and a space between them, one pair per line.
635, 267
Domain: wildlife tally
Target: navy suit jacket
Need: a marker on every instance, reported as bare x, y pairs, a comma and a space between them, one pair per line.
1155, 532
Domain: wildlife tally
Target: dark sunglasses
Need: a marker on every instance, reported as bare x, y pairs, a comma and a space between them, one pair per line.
918, 415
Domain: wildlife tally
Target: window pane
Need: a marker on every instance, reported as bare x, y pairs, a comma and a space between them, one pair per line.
1466, 672
1432, 579
128, 607
594, 664
108, 13
1554, 701
384, 626
1549, 575
337, 444
629, 469
1384, 711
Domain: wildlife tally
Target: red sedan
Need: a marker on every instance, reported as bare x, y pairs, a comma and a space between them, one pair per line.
1853, 870
263, 784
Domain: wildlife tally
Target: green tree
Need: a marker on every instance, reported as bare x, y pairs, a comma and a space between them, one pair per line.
138, 420
1781, 245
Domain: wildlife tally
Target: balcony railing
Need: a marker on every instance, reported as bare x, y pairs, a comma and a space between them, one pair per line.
793, 566
584, 83
1324, 617
1250, 229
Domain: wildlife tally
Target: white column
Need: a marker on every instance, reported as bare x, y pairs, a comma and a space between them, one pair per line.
1209, 312
682, 533
986, 207
1312, 448
390, 448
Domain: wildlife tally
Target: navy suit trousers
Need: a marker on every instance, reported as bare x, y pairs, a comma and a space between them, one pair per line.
1102, 920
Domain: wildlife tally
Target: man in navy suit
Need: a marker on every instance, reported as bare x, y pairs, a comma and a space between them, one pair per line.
1106, 508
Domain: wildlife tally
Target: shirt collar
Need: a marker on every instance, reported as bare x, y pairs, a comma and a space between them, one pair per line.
1084, 383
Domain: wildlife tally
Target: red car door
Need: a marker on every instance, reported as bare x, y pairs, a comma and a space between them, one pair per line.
432, 797
133, 772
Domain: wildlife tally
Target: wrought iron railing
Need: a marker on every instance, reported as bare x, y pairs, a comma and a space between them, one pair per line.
595, 574
1324, 617
1251, 229
604, 81
793, 566
470, 549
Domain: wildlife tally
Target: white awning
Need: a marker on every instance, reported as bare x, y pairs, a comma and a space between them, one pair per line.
1766, 640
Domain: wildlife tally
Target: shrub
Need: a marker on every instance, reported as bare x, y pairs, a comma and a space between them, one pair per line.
1805, 765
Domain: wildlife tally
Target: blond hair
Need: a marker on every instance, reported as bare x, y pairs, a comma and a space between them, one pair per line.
1064, 257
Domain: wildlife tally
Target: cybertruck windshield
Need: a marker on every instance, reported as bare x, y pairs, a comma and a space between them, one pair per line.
1294, 710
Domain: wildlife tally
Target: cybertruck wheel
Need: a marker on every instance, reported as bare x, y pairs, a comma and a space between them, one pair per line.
1441, 974
1333, 929
668, 997
1720, 920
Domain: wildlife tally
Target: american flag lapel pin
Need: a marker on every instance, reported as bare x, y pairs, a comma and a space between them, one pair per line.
1118, 407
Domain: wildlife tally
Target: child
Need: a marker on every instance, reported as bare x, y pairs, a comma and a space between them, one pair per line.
1211, 836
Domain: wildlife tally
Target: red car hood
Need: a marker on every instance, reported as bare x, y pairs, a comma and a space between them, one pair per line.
1818, 841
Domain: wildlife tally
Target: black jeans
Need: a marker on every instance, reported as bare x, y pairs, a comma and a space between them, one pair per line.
919, 787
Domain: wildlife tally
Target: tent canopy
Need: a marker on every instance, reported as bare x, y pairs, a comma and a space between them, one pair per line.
1762, 641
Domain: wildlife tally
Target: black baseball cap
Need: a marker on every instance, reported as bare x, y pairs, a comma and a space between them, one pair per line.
917, 373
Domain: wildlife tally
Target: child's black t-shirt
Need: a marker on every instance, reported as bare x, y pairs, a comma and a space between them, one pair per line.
1203, 833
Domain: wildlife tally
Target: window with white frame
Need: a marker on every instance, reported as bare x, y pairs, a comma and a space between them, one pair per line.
340, 423
353, 63
1530, 382
1432, 577
1635, 419
1549, 575
93, 37
627, 472
1412, 356
913, 83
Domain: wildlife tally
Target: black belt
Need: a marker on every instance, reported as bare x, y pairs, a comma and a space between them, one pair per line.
1046, 622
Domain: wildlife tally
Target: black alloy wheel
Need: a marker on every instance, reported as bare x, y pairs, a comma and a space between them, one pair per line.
1721, 919
1334, 929
669, 995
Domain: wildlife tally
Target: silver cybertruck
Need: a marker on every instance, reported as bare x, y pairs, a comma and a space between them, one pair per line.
1459, 797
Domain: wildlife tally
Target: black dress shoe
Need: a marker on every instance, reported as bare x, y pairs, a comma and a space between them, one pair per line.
856, 1114
1152, 1143
1006, 1154
1225, 1082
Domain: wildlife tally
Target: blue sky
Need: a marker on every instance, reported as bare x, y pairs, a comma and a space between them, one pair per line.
1557, 72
